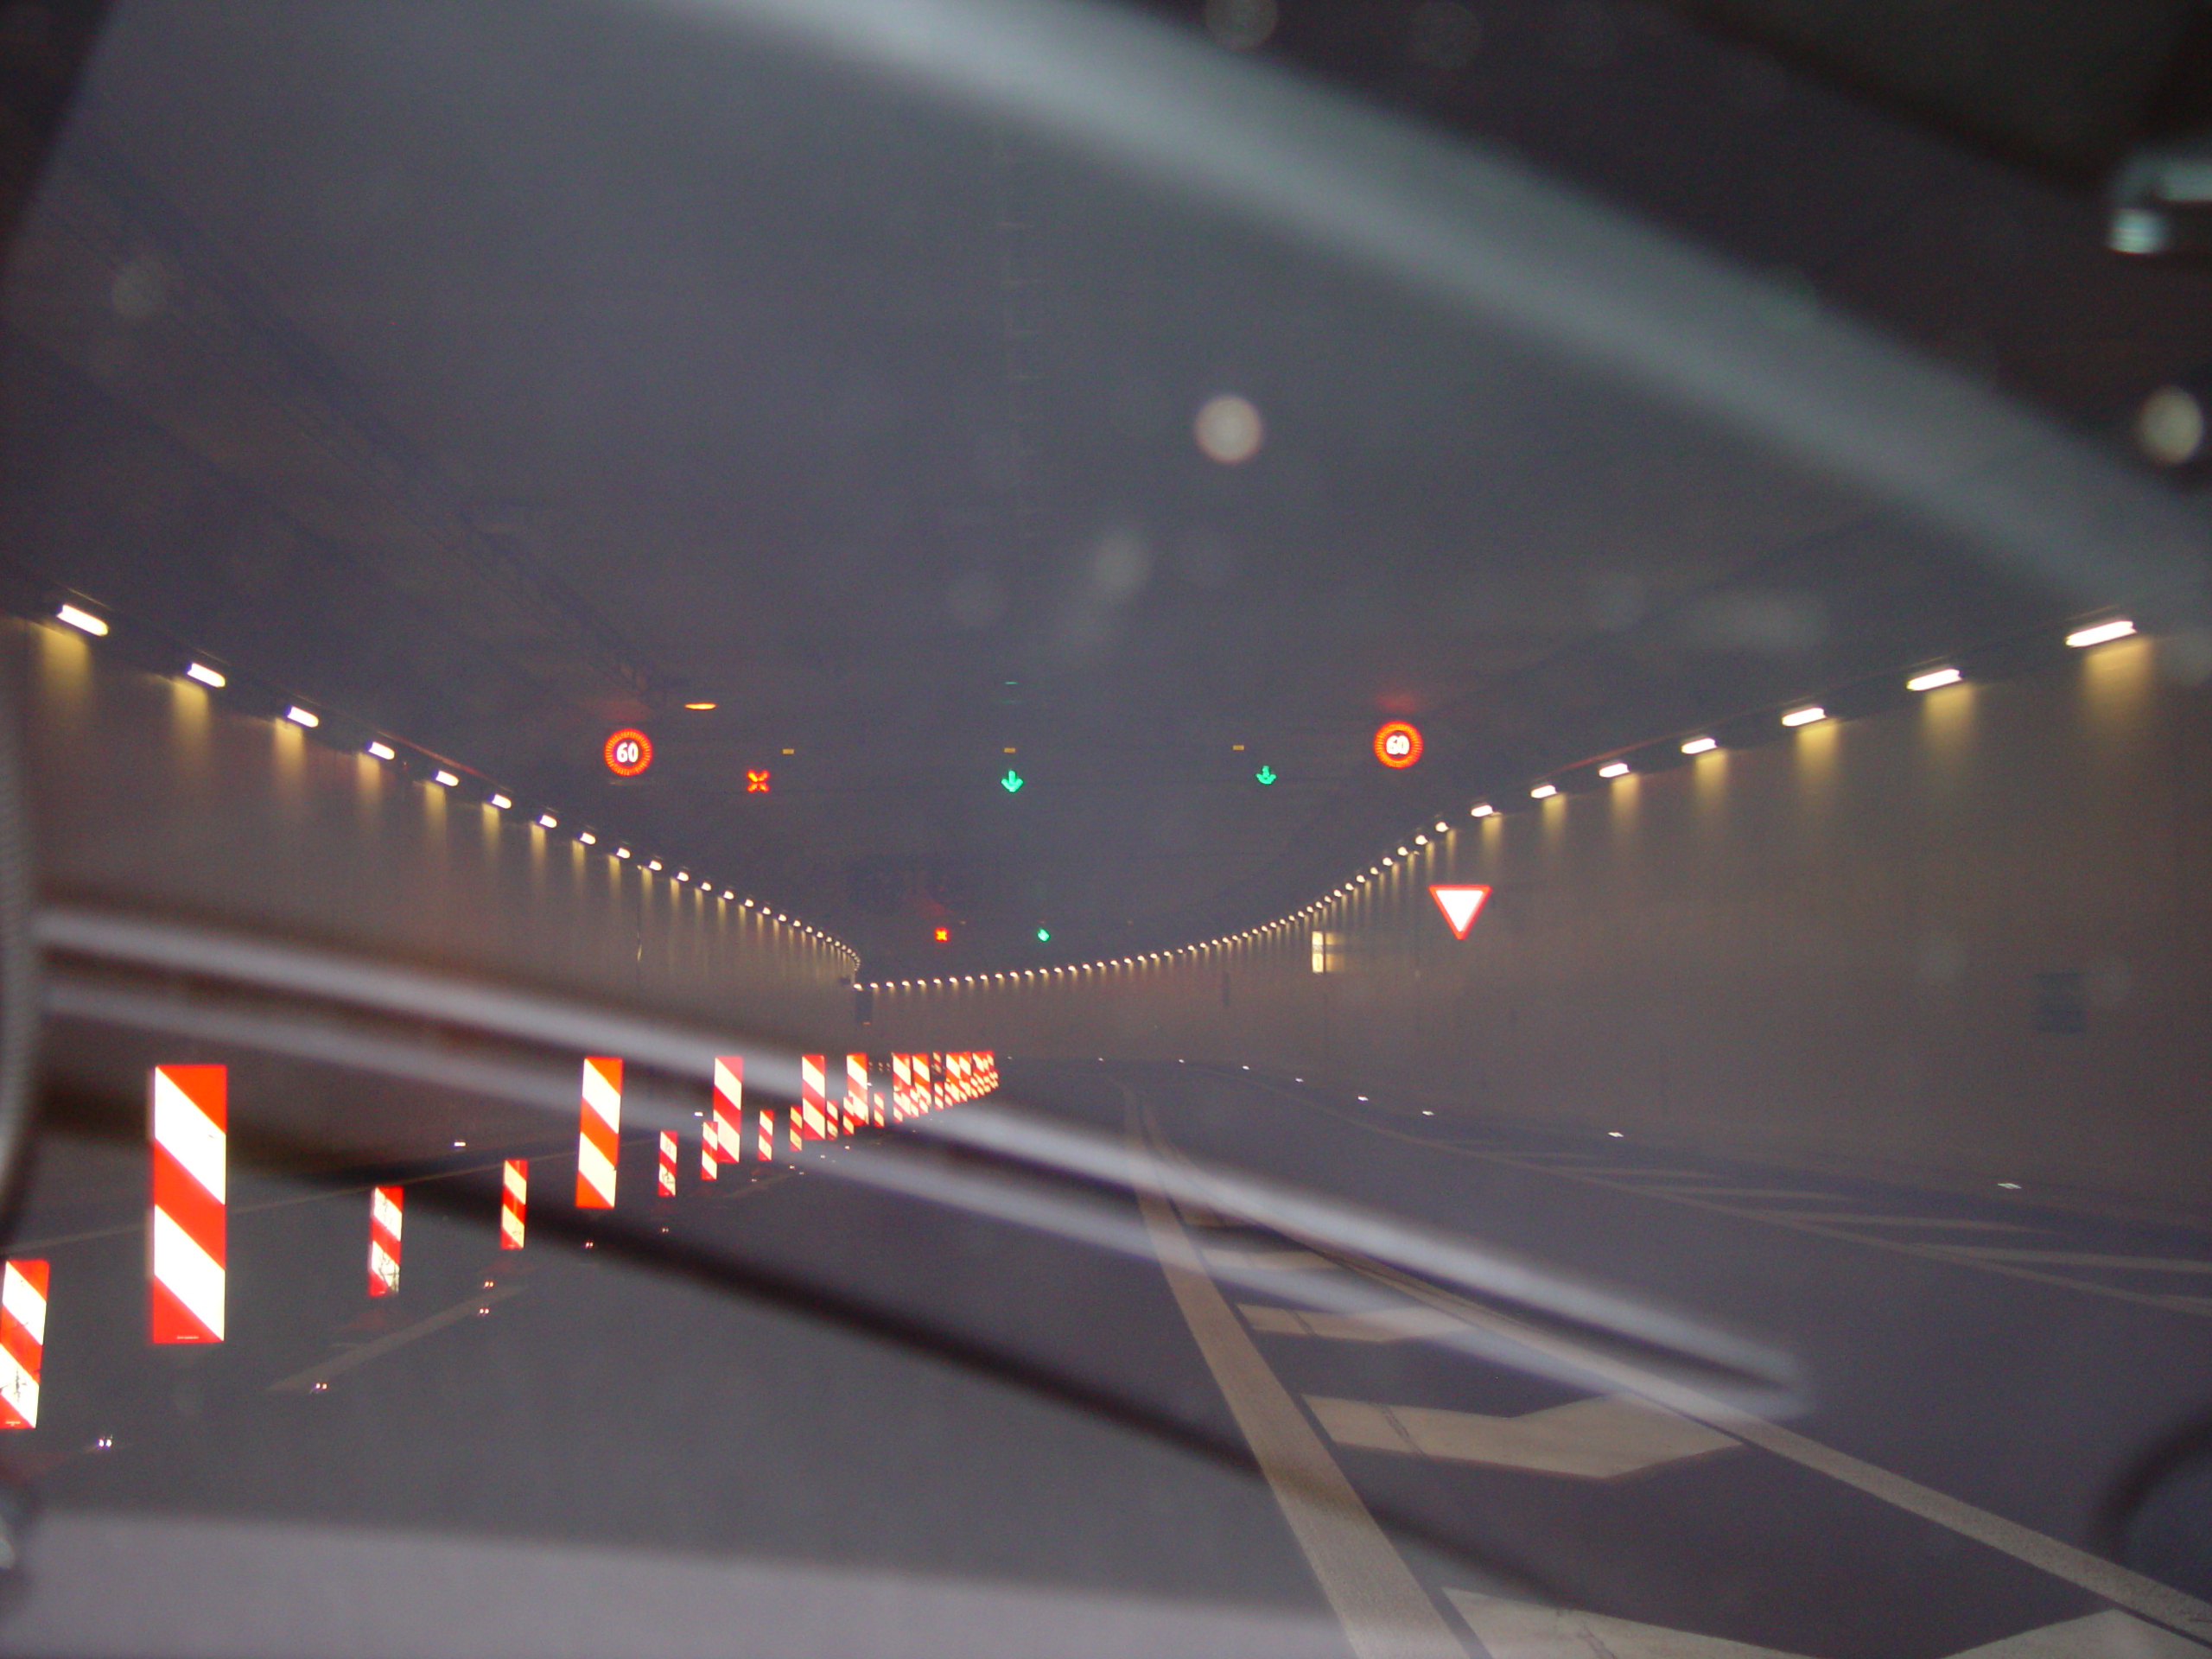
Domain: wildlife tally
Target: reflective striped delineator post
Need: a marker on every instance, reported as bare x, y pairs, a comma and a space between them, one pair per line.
728, 1109
856, 1112
902, 1087
22, 1341
668, 1163
709, 1155
918, 1097
189, 1129
812, 1089
599, 1133
385, 1204
764, 1141
514, 1199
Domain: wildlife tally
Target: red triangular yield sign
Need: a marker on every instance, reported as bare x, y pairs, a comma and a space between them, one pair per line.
1459, 906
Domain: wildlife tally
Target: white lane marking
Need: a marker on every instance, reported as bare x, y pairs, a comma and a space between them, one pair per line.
2099, 1636
1520, 1630
1779, 1194
1271, 1260
2073, 1258
2101, 1578
1591, 1439
1383, 1324
304, 1382
1955, 1223
1384, 1611
1647, 1173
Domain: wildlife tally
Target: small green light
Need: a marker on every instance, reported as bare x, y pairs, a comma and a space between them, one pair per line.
1044, 935
1011, 781
1267, 774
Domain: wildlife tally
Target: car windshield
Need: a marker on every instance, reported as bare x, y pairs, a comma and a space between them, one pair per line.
1064, 827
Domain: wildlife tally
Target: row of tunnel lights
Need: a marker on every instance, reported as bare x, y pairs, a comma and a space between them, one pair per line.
1806, 714
214, 679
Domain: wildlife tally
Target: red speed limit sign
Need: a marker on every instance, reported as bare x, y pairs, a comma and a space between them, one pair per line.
627, 752
1398, 743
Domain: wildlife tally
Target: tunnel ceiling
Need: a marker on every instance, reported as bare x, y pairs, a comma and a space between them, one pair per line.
505, 376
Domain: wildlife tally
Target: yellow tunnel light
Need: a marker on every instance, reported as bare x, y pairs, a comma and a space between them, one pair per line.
2118, 628
382, 751
587, 837
501, 801
1700, 745
1543, 792
1481, 810
206, 675
83, 621
1806, 716
547, 821
306, 717
443, 779
1419, 841
1616, 769
1932, 678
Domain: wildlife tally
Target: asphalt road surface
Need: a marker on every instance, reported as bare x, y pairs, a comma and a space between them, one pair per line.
815, 1406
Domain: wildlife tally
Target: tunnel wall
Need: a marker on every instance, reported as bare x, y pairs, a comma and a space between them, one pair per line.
1966, 936
150, 795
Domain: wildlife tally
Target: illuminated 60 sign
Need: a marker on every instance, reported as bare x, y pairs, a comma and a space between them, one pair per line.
627, 752
1398, 743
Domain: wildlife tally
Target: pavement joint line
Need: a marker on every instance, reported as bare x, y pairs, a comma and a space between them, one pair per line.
305, 1382
1385, 1612
1698, 1201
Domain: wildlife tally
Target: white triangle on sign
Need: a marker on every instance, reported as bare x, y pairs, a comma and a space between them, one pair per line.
1459, 906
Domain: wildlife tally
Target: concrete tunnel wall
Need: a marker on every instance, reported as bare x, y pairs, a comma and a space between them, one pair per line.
1968, 936
152, 795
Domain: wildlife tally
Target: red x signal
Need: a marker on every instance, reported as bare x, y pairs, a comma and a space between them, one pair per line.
756, 783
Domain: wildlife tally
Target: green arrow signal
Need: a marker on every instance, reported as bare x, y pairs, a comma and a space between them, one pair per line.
1044, 935
1267, 774
1011, 781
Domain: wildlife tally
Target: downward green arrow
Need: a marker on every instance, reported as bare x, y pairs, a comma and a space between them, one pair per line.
1267, 774
1011, 781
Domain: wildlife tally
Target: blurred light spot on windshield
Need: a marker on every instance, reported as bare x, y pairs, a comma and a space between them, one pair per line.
1229, 428
1240, 25
2170, 426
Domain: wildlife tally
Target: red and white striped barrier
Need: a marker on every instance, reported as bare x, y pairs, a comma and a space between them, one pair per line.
990, 1069
728, 1109
798, 1120
764, 1140
813, 1094
385, 1205
902, 1087
22, 1341
599, 1133
856, 1111
709, 1150
189, 1129
668, 1163
514, 1199
923, 1102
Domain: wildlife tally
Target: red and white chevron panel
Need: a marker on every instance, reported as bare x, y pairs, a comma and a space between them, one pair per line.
798, 1120
990, 1069
764, 1140
710, 1153
856, 1112
902, 1087
813, 1094
730, 1106
514, 1200
667, 1187
599, 1134
921, 1096
386, 1207
22, 1341
189, 1129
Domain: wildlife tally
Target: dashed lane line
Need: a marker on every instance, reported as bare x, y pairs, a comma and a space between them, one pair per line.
1702, 1198
307, 1381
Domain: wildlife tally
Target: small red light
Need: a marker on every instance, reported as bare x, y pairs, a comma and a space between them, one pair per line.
1398, 743
944, 935
756, 783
